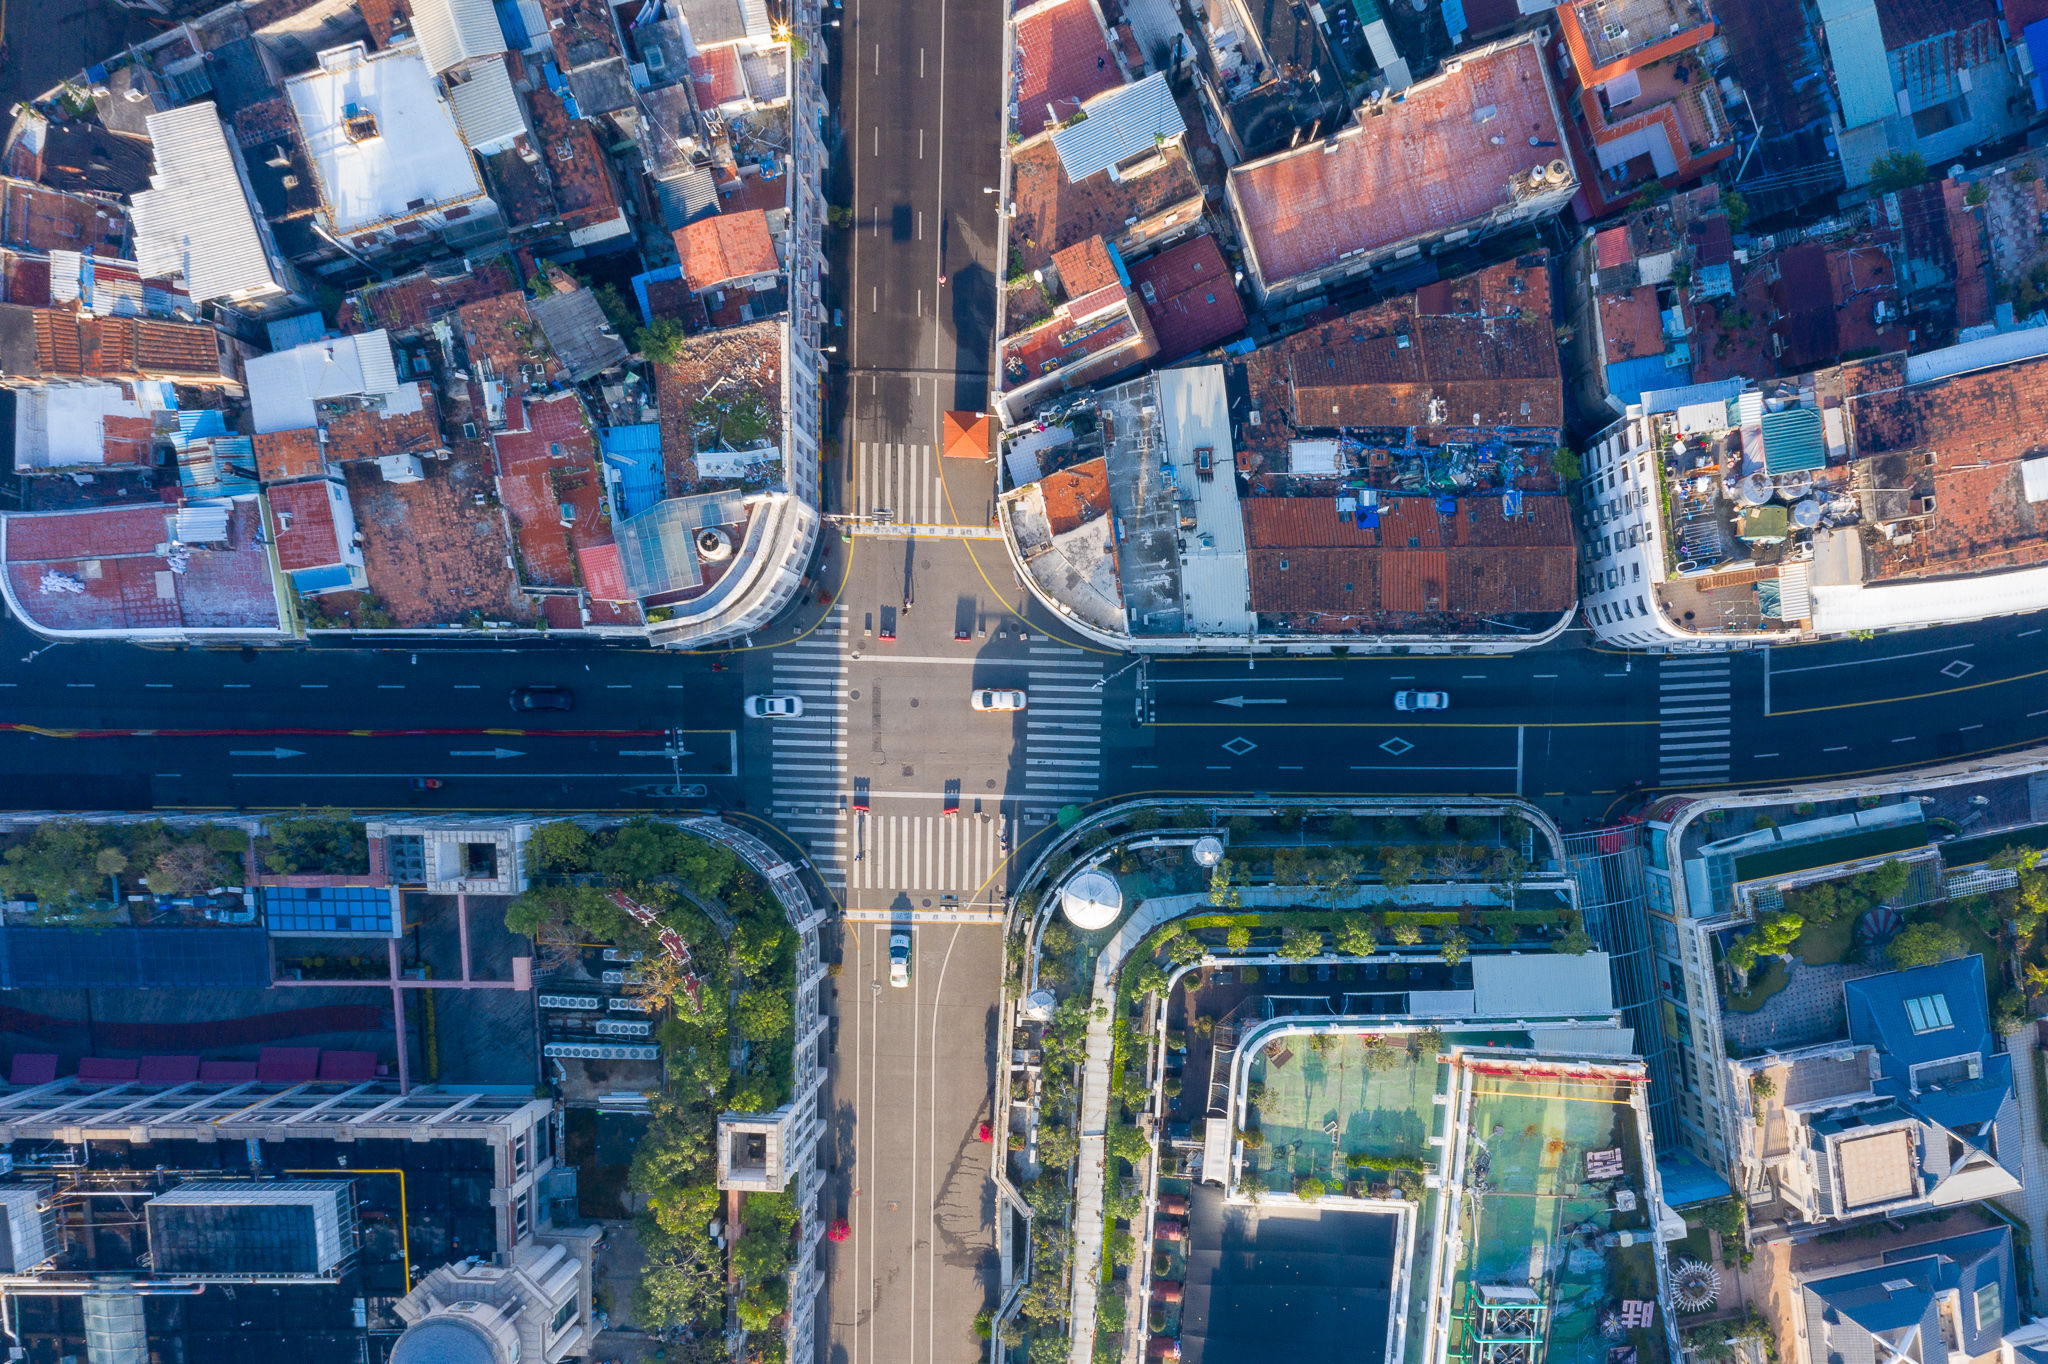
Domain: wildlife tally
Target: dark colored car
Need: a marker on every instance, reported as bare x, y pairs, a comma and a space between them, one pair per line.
543, 698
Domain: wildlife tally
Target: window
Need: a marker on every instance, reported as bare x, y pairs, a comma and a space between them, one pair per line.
1642, 606
1929, 1013
564, 1315
519, 1155
1990, 1308
522, 1216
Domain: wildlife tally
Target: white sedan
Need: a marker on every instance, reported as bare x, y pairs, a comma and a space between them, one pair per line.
1422, 700
774, 707
899, 959
994, 698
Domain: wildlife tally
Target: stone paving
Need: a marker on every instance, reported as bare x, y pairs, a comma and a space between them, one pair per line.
1808, 1010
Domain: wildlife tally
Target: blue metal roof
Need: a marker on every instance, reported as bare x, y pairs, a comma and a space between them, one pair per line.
512, 25
1878, 1014
633, 467
1120, 124
1628, 380
1900, 1293
288, 332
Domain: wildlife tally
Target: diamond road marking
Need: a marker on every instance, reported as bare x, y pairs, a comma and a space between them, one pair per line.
1240, 746
1957, 669
1396, 747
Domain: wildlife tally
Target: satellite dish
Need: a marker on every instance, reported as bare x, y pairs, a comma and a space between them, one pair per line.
1092, 901
1208, 851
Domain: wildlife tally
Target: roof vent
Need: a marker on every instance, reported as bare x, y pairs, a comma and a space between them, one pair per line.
360, 127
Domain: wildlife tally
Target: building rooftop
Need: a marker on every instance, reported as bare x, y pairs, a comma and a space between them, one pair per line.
75, 344
500, 338
1190, 297
1054, 212
195, 220
726, 247
416, 301
712, 22
306, 535
37, 218
383, 144
1061, 60
282, 455
579, 333
58, 426
361, 428
716, 77
720, 398
284, 387
451, 32
578, 170
1449, 151
1608, 37
118, 569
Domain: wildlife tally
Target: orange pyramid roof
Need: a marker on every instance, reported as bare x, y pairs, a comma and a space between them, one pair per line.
966, 435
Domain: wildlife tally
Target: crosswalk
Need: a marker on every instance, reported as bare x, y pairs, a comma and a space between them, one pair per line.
1692, 720
928, 855
899, 482
807, 755
1063, 722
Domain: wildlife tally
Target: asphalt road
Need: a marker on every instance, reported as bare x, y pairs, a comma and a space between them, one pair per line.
914, 1188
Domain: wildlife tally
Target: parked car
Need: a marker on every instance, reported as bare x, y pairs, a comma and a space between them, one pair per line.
774, 707
996, 698
543, 698
1422, 700
899, 959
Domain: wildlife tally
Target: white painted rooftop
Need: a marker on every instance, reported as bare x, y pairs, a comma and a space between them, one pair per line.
397, 155
1194, 411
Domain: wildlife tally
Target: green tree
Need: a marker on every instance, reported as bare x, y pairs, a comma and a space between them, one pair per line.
1896, 171
1299, 944
1148, 978
1309, 1188
755, 947
1399, 866
1455, 948
763, 1015
1888, 882
1578, 942
1432, 823
1185, 951
1406, 934
1058, 940
1924, 945
561, 846
55, 865
661, 340
1223, 894
1128, 1143
1057, 1147
1355, 936
322, 841
1237, 939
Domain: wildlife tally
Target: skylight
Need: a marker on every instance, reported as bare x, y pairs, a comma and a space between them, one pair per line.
1929, 1013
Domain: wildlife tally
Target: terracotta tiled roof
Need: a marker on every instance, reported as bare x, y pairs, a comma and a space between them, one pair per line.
312, 541
67, 343
1062, 60
1443, 156
583, 188
365, 433
1305, 558
41, 219
1053, 212
1076, 496
1085, 267
715, 77
501, 334
1611, 248
287, 454
724, 247
1192, 301
1631, 323
417, 301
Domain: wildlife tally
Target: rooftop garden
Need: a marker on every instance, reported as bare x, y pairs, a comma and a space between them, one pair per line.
726, 1047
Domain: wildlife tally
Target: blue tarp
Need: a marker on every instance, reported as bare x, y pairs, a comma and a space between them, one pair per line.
1454, 20
640, 283
633, 467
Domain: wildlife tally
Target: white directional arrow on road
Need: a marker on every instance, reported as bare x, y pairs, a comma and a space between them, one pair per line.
1240, 702
485, 753
265, 753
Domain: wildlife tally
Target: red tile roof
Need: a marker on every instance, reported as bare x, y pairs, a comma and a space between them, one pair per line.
1304, 559
287, 454
603, 573
725, 247
69, 343
715, 77
583, 190
365, 433
42, 219
419, 300
1611, 248
1053, 212
1062, 60
1076, 496
311, 539
114, 552
1631, 323
1193, 302
1442, 156
1085, 267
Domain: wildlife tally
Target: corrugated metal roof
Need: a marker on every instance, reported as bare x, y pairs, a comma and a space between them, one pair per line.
487, 108
451, 32
687, 197
1863, 78
194, 220
1793, 441
288, 332
1119, 125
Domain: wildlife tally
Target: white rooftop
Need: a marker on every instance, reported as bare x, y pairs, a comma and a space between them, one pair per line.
487, 108
194, 221
1552, 985
453, 31
383, 145
283, 387
59, 426
1215, 575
